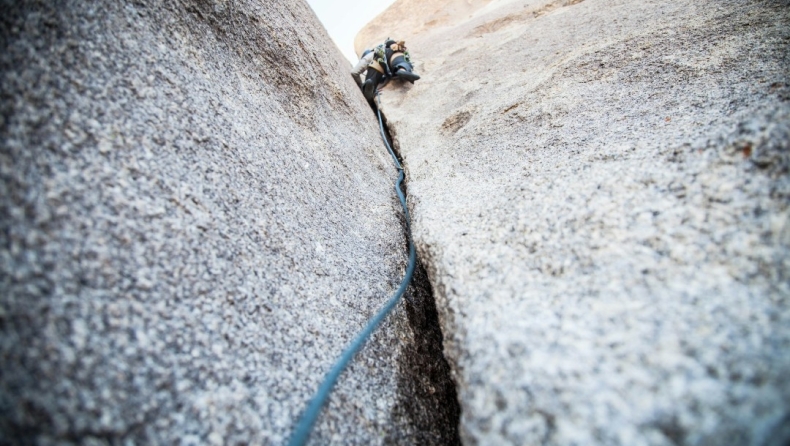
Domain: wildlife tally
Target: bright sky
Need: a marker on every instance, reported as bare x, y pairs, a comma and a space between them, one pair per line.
344, 18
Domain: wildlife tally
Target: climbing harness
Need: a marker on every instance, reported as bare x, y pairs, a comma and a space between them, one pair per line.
305, 426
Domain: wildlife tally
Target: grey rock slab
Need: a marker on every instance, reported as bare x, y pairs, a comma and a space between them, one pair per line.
197, 216
600, 192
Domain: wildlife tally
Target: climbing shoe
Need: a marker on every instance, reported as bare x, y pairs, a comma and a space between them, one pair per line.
403, 69
407, 75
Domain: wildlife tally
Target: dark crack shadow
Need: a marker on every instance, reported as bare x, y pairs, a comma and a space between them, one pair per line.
427, 394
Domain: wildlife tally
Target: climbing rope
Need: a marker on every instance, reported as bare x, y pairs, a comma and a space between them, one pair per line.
310, 415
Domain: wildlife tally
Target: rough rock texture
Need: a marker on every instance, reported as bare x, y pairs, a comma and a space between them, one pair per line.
409, 17
192, 230
600, 195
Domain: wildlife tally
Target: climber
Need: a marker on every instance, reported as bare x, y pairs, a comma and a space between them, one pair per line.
387, 61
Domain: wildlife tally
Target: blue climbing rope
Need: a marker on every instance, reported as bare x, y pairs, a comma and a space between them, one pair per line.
310, 415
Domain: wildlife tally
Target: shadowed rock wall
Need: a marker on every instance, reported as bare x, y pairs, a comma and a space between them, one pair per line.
600, 196
197, 216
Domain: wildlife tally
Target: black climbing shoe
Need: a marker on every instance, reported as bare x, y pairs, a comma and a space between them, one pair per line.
407, 75
403, 69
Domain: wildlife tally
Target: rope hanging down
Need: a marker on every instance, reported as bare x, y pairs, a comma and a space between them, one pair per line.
306, 423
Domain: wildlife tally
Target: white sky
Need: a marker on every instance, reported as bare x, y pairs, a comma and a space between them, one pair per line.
344, 18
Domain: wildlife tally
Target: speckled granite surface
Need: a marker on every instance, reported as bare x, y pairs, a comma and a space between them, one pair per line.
197, 216
600, 194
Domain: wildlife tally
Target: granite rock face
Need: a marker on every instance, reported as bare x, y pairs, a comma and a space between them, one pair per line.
600, 192
197, 216
410, 17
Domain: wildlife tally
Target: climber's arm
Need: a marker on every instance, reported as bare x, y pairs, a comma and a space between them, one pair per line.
363, 63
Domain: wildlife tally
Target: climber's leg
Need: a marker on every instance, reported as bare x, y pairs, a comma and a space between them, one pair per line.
372, 80
402, 69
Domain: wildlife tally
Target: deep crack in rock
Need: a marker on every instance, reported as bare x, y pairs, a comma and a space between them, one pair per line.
427, 395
